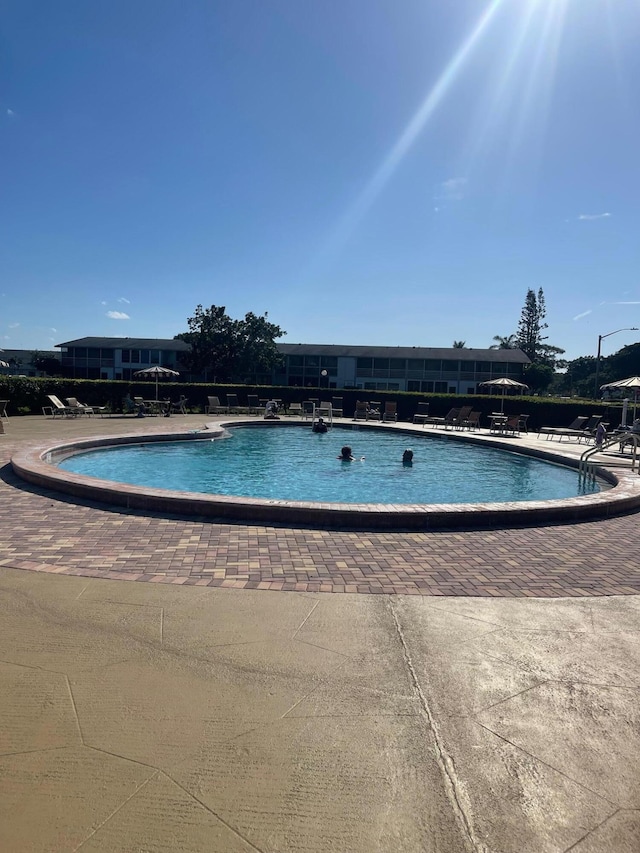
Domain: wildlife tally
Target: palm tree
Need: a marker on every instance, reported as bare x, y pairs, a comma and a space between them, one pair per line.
459, 344
508, 342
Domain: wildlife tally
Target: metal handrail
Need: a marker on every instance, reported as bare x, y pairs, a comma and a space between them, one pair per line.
585, 468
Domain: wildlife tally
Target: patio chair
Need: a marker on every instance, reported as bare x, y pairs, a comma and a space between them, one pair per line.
523, 423
295, 410
214, 407
473, 421
512, 425
179, 406
308, 409
390, 413
60, 410
422, 414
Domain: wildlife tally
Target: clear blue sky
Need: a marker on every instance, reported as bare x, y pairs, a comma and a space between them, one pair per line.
367, 171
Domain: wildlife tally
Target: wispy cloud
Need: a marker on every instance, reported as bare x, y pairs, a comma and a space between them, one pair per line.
53, 330
14, 325
452, 189
10, 113
584, 314
104, 302
592, 216
637, 302
123, 299
117, 315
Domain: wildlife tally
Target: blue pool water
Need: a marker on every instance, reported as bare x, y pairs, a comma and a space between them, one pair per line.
292, 463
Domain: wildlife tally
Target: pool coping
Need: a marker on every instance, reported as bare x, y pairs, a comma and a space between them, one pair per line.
36, 466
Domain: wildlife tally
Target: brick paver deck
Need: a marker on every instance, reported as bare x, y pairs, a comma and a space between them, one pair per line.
46, 532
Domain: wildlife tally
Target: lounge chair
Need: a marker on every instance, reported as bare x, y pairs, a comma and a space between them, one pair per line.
575, 427
449, 419
308, 409
233, 406
214, 407
336, 406
591, 427
59, 408
373, 411
422, 414
360, 413
73, 403
324, 410
295, 410
460, 422
253, 404
390, 413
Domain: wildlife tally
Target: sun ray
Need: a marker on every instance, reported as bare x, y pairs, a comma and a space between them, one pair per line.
407, 138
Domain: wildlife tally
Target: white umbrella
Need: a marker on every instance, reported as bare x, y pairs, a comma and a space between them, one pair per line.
4, 363
631, 382
504, 383
156, 371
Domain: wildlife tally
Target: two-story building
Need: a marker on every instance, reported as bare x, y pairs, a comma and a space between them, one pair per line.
423, 369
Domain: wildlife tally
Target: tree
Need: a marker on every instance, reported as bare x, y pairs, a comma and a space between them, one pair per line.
231, 349
530, 328
46, 363
529, 337
459, 344
538, 376
508, 342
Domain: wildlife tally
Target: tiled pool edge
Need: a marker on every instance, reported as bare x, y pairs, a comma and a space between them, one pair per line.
32, 465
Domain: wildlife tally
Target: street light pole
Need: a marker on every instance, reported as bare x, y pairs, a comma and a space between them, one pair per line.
600, 339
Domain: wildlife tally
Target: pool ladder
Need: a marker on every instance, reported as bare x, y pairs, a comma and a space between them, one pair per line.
587, 468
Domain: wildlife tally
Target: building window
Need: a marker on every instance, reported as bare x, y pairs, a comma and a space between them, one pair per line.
126, 356
135, 356
144, 356
329, 361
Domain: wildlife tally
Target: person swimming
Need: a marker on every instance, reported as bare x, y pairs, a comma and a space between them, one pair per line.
345, 454
407, 457
320, 426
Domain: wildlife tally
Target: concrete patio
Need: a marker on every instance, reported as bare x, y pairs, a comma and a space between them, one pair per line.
221, 700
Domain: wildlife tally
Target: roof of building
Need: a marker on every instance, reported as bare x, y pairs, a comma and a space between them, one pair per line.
129, 343
7, 354
513, 356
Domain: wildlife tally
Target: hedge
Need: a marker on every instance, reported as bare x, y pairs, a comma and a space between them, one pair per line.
27, 395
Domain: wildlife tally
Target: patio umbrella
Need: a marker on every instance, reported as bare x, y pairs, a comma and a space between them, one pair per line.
156, 371
504, 383
4, 363
632, 382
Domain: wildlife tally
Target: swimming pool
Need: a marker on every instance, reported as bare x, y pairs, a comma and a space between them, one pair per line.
293, 464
